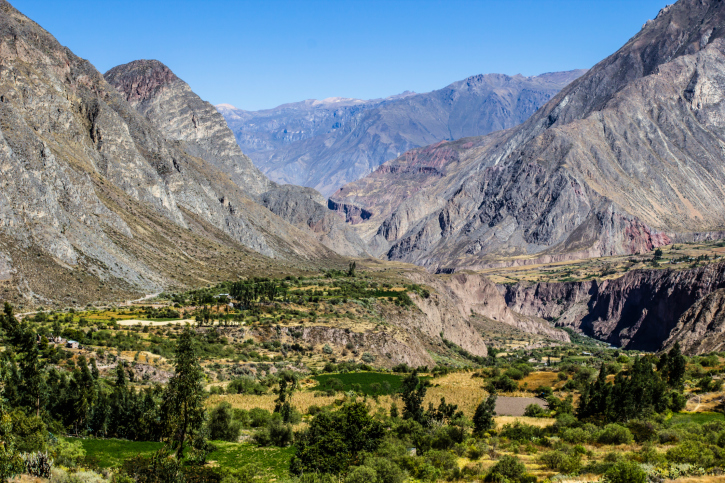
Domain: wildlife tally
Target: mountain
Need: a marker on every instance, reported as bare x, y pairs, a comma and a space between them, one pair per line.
326, 144
96, 203
170, 105
627, 157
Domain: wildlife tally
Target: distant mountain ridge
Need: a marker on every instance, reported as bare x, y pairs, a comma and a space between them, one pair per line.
626, 158
326, 144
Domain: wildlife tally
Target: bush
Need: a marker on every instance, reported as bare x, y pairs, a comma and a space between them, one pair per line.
535, 411
362, 474
625, 472
221, 425
519, 431
642, 431
368, 357
614, 434
386, 470
575, 436
61, 476
276, 433
561, 462
37, 464
67, 453
692, 452
259, 417
508, 468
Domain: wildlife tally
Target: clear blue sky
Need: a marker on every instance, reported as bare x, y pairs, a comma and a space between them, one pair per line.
259, 54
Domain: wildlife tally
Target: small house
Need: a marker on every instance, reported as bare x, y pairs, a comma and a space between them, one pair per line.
72, 344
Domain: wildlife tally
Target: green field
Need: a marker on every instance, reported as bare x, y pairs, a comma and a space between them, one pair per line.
365, 380
699, 418
269, 462
109, 453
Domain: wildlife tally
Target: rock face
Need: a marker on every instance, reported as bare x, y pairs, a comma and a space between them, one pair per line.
169, 104
625, 158
91, 191
326, 144
172, 107
702, 328
475, 294
640, 310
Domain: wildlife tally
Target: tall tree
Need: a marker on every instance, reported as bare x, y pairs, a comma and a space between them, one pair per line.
413, 393
483, 417
182, 408
10, 462
676, 367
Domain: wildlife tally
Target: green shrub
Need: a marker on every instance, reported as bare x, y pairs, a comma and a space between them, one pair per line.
568, 464
362, 474
276, 433
614, 434
508, 468
220, 424
259, 417
575, 436
642, 431
692, 452
625, 472
67, 453
387, 471
535, 411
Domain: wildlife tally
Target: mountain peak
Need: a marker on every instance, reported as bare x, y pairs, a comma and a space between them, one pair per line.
140, 79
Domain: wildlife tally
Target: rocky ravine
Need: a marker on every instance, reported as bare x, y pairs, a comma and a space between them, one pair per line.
171, 106
326, 144
643, 309
625, 158
701, 328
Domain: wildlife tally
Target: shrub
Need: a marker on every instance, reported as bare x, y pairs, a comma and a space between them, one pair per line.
259, 417
561, 462
642, 431
61, 476
575, 435
692, 452
67, 453
276, 433
327, 349
508, 468
37, 464
386, 470
362, 474
625, 472
535, 411
368, 357
221, 425
519, 431
614, 434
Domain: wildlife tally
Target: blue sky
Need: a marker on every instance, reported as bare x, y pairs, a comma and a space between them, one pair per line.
259, 54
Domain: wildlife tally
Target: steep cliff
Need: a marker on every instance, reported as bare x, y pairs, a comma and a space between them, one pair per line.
326, 144
170, 105
640, 310
625, 158
701, 329
96, 203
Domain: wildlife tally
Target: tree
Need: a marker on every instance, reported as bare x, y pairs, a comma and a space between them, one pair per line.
412, 394
283, 405
221, 425
351, 269
336, 440
182, 407
676, 367
10, 462
483, 417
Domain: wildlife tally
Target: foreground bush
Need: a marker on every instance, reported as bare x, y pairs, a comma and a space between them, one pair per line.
625, 472
615, 434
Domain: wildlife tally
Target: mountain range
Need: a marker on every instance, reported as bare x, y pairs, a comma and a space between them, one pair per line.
325, 144
626, 158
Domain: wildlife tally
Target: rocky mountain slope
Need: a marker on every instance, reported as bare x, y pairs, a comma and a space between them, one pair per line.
170, 105
701, 329
325, 144
643, 309
627, 157
96, 203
